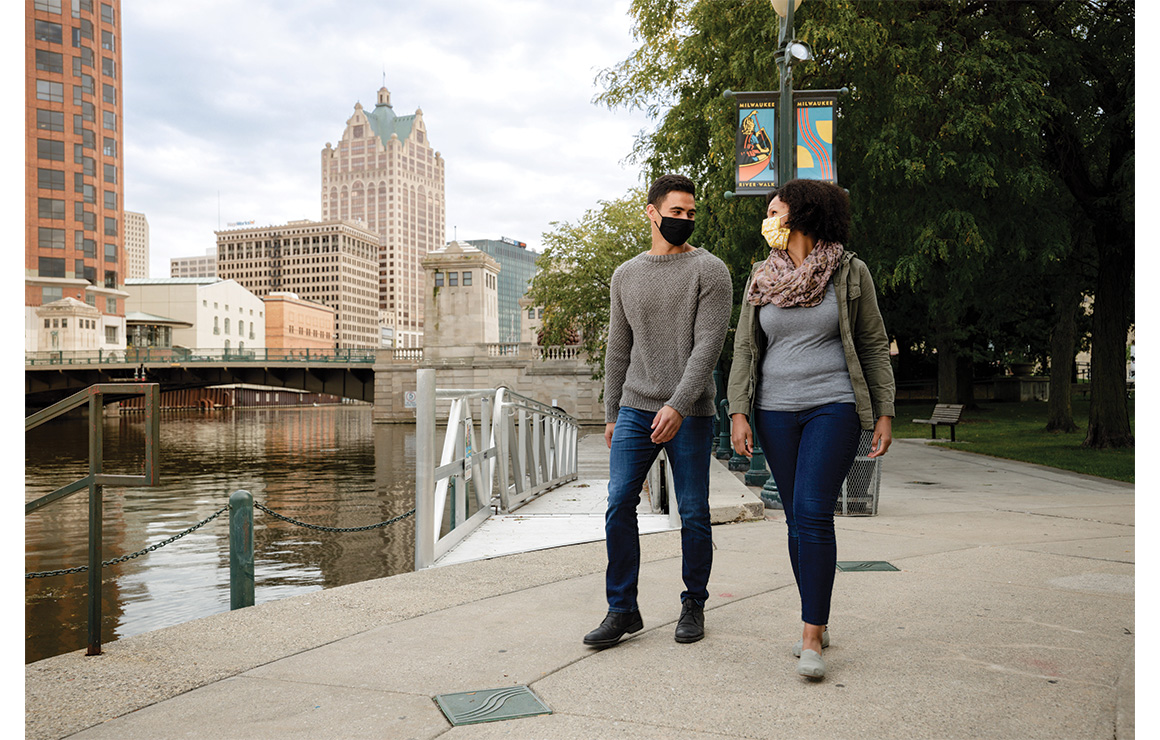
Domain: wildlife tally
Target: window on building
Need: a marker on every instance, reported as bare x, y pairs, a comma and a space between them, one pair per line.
227, 325
110, 200
50, 120
241, 328
50, 32
216, 327
50, 294
49, 149
108, 93
466, 278
50, 208
110, 226
111, 173
452, 279
111, 331
51, 238
84, 60
108, 41
438, 280
49, 61
53, 92
108, 15
51, 267
110, 279
109, 120
81, 6
48, 6
50, 179
110, 253
531, 314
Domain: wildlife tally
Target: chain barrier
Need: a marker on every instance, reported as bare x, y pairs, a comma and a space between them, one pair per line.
207, 520
122, 559
321, 528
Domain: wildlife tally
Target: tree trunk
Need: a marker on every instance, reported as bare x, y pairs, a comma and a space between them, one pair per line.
1059, 418
947, 373
1108, 424
965, 381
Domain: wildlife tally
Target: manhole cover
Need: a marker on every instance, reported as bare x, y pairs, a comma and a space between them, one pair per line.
862, 565
490, 705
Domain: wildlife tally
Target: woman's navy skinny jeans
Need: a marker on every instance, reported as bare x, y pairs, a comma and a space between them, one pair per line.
809, 453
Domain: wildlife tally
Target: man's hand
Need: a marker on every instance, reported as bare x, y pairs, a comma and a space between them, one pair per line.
666, 424
741, 435
608, 433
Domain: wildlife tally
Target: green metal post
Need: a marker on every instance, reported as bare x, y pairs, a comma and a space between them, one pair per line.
241, 549
786, 122
96, 493
758, 473
724, 449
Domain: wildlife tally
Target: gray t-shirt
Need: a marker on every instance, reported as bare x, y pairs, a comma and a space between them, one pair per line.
804, 365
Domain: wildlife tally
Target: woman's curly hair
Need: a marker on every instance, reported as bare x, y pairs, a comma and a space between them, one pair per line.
817, 208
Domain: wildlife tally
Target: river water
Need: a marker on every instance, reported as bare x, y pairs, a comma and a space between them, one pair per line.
328, 466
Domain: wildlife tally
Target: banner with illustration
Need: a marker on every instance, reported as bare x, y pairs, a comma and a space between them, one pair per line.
756, 154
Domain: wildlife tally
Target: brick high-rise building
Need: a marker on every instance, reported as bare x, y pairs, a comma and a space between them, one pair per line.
385, 174
328, 262
74, 168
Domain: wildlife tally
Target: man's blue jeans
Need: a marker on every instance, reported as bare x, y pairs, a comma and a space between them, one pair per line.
809, 453
631, 456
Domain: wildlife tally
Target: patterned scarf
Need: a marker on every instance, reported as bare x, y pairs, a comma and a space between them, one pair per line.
780, 283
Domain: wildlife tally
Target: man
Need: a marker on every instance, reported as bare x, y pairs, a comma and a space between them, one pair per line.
669, 314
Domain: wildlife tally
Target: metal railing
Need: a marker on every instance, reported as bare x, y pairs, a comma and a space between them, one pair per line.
134, 356
95, 481
528, 448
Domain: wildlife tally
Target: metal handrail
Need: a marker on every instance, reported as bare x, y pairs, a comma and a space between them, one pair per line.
524, 448
97, 479
137, 356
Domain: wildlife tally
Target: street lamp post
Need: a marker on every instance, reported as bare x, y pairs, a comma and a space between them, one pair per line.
790, 51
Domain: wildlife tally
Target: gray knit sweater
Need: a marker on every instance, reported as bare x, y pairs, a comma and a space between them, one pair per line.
667, 324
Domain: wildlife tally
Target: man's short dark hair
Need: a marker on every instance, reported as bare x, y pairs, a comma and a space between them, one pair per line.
817, 208
666, 184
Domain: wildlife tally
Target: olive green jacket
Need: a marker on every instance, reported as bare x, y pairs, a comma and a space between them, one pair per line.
864, 341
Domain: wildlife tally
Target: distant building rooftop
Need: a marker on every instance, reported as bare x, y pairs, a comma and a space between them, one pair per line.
173, 281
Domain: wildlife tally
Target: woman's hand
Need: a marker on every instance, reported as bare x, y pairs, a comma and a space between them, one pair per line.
881, 440
741, 435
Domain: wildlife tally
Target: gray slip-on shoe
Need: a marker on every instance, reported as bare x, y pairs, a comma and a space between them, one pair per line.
797, 648
811, 665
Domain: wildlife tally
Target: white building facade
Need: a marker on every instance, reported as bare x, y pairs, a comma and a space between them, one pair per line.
224, 315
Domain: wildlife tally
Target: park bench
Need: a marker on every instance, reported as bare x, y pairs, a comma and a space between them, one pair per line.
944, 413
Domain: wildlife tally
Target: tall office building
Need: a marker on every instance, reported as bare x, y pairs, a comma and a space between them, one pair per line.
74, 229
517, 267
385, 174
136, 245
329, 262
204, 266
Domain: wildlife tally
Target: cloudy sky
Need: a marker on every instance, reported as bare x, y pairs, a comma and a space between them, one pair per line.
229, 104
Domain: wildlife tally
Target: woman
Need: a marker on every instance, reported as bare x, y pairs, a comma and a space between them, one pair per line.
811, 368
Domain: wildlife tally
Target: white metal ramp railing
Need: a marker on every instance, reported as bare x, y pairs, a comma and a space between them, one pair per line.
523, 448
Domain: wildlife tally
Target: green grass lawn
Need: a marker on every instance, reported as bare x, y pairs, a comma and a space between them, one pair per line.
1016, 431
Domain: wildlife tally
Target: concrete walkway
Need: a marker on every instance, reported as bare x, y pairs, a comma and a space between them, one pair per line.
1012, 616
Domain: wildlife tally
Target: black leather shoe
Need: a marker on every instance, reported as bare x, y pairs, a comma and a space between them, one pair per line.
613, 628
691, 625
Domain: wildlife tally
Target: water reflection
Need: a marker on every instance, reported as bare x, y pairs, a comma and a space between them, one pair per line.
328, 466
